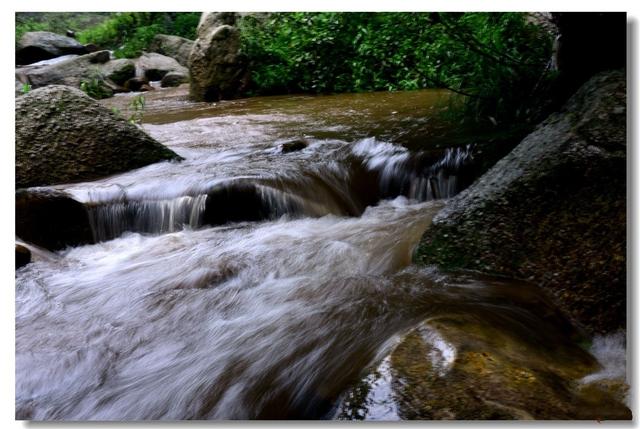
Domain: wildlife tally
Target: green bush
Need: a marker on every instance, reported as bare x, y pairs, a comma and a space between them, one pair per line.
497, 60
95, 87
129, 33
29, 25
57, 22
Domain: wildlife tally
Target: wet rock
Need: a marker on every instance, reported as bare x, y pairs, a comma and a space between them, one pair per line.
119, 71
52, 220
63, 136
294, 146
154, 66
236, 202
36, 46
555, 204
92, 47
507, 355
23, 256
172, 79
175, 47
136, 83
114, 87
217, 68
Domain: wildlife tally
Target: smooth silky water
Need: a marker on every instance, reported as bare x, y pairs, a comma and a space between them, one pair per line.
188, 308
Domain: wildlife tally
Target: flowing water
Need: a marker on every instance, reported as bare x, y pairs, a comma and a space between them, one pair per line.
250, 282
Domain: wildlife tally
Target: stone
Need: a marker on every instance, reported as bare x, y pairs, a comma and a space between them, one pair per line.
555, 204
19, 88
173, 79
209, 21
217, 67
136, 83
175, 47
294, 146
23, 256
35, 46
155, 66
64, 136
70, 71
118, 71
51, 219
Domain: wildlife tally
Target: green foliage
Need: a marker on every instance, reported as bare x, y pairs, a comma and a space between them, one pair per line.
57, 22
29, 25
137, 105
497, 60
129, 33
26, 88
95, 87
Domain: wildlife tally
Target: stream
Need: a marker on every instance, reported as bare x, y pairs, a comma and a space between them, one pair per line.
254, 281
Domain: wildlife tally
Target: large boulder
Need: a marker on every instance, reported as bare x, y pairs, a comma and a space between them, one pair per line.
70, 71
154, 66
218, 69
209, 21
553, 210
42, 45
62, 136
175, 47
95, 69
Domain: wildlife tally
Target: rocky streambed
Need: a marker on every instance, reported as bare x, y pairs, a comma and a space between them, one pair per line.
269, 274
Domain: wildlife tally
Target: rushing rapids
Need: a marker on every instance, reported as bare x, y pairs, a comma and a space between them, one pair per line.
328, 178
245, 282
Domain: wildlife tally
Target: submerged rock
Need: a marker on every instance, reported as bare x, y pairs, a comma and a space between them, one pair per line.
217, 67
553, 210
52, 220
505, 357
294, 146
64, 136
23, 256
36, 46
175, 47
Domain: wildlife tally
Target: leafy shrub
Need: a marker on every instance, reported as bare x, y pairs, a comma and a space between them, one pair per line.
57, 22
29, 25
95, 87
129, 33
498, 60
137, 106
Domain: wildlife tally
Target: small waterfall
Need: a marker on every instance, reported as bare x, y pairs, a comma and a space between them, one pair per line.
343, 187
110, 220
420, 176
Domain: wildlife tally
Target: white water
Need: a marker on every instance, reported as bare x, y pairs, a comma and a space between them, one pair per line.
170, 318
219, 323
